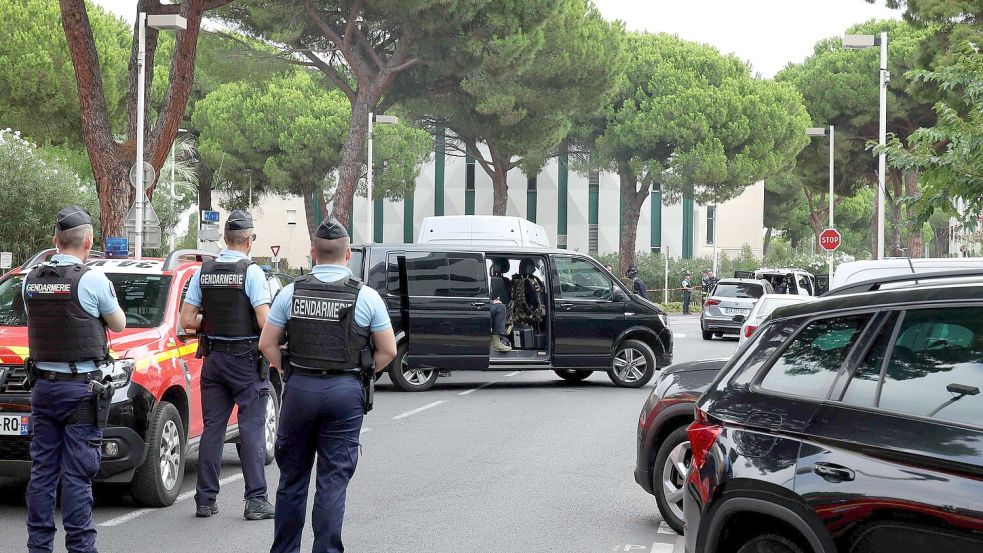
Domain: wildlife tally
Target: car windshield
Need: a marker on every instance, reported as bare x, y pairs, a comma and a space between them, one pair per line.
738, 290
142, 297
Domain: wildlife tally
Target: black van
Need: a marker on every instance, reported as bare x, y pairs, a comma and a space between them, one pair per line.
584, 319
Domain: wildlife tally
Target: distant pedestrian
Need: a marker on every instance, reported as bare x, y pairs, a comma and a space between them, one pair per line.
637, 284
687, 292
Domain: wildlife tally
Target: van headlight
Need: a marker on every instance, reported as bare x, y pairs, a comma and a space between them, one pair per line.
119, 372
665, 319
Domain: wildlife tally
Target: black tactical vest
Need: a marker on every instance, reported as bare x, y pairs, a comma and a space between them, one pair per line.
225, 308
58, 328
322, 332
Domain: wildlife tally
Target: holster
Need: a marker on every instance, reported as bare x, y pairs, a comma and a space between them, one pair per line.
202, 346
367, 366
33, 374
94, 411
285, 364
263, 368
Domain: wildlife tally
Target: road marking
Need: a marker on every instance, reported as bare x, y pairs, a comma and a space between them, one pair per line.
485, 385
512, 374
664, 529
364, 430
679, 335
418, 410
663, 547
123, 519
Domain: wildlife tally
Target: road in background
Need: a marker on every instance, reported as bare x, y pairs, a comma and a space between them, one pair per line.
482, 462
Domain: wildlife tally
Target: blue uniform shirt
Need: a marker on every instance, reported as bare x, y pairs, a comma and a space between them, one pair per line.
98, 298
257, 288
370, 310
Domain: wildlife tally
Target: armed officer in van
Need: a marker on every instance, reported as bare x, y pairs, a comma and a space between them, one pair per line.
69, 308
233, 299
336, 330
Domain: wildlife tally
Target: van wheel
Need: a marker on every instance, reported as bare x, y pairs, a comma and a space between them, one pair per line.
410, 380
707, 335
571, 375
770, 543
158, 480
633, 364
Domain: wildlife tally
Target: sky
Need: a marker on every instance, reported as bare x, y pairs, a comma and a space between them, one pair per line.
769, 34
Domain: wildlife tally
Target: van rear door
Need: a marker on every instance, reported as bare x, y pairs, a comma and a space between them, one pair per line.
449, 319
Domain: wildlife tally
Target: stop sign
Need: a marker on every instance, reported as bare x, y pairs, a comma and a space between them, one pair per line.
829, 239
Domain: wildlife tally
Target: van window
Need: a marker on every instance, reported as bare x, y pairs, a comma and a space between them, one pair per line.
580, 279
441, 274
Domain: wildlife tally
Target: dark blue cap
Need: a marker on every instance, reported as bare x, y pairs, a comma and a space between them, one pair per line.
239, 220
71, 217
331, 229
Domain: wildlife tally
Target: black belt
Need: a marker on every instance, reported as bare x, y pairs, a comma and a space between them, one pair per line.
232, 346
324, 372
55, 376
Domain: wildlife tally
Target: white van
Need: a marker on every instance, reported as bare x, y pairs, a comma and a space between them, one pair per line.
483, 229
784, 280
859, 271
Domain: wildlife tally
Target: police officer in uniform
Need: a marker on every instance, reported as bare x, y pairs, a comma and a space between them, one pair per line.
69, 308
328, 317
233, 299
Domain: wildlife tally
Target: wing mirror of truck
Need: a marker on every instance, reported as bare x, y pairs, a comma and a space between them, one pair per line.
739, 318
619, 295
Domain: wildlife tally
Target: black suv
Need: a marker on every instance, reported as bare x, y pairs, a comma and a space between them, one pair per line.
573, 318
853, 423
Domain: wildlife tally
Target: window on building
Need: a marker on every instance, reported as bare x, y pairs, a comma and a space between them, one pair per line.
711, 223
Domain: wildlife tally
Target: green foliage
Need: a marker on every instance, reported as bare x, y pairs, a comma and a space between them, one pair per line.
399, 153
169, 208
38, 92
27, 172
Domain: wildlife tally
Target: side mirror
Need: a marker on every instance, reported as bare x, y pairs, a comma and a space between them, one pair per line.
619, 295
739, 318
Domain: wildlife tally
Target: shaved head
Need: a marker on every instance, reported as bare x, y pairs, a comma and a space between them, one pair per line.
331, 252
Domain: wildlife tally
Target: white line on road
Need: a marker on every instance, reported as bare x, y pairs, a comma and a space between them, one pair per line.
123, 519
663, 547
364, 430
678, 335
512, 374
485, 385
664, 529
417, 410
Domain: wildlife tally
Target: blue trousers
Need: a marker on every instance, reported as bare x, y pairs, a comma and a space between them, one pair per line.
228, 380
321, 416
61, 454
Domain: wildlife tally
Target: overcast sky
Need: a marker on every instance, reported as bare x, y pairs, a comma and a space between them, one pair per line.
768, 33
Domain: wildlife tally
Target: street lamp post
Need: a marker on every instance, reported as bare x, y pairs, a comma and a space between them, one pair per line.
814, 132
858, 42
383, 120
161, 22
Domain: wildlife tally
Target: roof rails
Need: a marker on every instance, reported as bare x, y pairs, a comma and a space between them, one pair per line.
173, 258
44, 255
876, 284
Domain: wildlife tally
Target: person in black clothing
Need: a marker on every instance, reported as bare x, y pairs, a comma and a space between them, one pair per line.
637, 284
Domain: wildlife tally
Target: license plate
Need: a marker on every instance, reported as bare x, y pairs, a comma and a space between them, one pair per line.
736, 311
15, 425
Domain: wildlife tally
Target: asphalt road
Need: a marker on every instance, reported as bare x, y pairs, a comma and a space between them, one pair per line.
484, 462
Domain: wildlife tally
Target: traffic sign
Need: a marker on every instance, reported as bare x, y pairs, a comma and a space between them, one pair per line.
151, 225
276, 251
830, 239
148, 174
6, 260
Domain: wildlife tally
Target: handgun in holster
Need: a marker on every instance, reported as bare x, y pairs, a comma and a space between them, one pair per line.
203, 346
262, 366
33, 374
285, 366
367, 365
95, 411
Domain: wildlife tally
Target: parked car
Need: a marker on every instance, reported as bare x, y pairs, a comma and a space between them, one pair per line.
663, 446
728, 298
567, 313
859, 271
785, 280
155, 420
765, 305
848, 424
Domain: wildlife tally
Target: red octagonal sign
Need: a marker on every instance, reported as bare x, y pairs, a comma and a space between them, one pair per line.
829, 239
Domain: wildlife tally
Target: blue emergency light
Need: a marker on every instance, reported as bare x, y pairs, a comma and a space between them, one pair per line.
117, 246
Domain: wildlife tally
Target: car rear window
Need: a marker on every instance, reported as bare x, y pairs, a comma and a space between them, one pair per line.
143, 299
809, 364
738, 290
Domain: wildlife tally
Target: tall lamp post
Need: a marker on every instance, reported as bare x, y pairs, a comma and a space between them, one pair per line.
382, 120
859, 42
818, 132
160, 22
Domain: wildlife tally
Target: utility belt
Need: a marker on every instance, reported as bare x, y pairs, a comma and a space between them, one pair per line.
324, 372
94, 410
248, 346
365, 372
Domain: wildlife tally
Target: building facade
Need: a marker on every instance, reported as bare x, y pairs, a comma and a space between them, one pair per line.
580, 212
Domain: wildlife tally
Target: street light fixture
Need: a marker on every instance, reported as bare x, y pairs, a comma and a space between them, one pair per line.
382, 120
160, 22
859, 42
815, 132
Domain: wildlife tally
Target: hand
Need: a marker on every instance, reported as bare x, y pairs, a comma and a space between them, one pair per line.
496, 300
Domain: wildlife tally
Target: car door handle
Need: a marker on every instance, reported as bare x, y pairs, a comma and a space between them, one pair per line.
833, 473
566, 305
478, 304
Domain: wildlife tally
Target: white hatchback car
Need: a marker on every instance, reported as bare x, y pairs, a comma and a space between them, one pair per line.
765, 305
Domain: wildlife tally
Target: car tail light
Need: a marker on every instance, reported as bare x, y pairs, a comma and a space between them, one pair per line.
712, 301
702, 435
749, 331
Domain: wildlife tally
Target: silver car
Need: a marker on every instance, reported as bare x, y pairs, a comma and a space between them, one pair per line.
766, 304
730, 298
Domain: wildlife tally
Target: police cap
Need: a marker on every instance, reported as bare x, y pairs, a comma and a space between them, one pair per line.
72, 216
239, 220
331, 229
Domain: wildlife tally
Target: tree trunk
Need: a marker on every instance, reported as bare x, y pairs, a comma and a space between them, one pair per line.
309, 210
500, 184
873, 225
351, 161
915, 243
816, 218
767, 243
632, 198
893, 213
